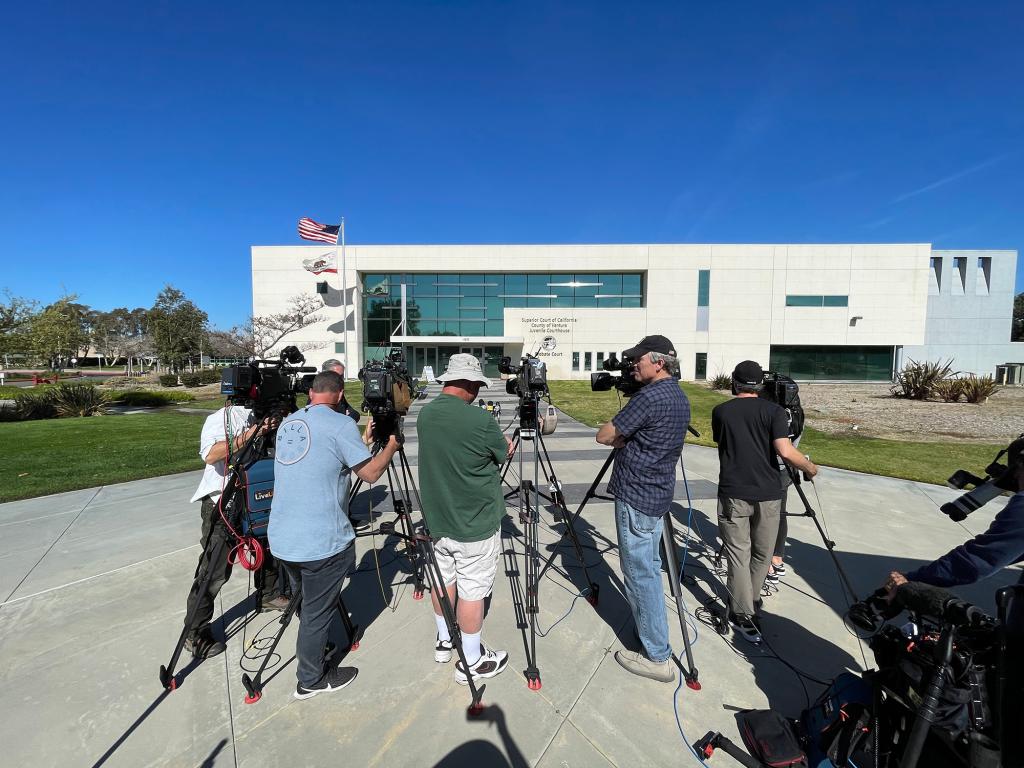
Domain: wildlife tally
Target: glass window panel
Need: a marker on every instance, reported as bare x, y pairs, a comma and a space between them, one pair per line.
472, 285
616, 302
375, 285
515, 284
495, 328
611, 283
563, 300
836, 301
538, 302
575, 361
395, 285
587, 358
427, 307
561, 291
495, 307
538, 284
627, 302
447, 308
703, 287
377, 331
472, 328
600, 360
804, 301
497, 285
587, 290
423, 285
517, 302
447, 285
427, 327
471, 313
701, 366
585, 301
631, 284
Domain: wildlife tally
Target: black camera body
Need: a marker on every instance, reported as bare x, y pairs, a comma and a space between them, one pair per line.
268, 387
387, 393
529, 378
625, 382
785, 392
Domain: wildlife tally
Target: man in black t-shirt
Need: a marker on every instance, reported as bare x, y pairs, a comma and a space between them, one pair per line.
750, 432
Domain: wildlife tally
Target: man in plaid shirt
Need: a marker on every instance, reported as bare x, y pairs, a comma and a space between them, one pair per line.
648, 434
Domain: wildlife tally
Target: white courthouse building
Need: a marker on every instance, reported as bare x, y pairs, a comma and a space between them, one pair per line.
814, 312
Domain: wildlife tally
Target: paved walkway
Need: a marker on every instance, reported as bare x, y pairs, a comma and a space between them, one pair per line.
92, 596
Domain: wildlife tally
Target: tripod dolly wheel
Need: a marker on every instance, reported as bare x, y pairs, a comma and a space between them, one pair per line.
533, 684
252, 695
354, 646
475, 709
417, 594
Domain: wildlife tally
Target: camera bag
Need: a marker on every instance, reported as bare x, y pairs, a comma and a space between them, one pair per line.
771, 738
259, 493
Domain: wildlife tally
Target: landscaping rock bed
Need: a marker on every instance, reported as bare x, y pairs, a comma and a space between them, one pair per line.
870, 410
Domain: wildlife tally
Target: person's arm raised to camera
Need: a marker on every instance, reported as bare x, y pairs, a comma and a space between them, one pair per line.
219, 450
371, 470
789, 454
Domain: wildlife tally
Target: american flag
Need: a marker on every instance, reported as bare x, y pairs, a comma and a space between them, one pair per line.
312, 230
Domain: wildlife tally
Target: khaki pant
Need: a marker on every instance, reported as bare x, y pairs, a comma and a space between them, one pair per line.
748, 530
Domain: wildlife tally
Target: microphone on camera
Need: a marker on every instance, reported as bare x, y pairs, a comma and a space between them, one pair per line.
932, 601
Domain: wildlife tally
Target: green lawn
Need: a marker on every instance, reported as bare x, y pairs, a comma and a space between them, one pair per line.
41, 457
930, 462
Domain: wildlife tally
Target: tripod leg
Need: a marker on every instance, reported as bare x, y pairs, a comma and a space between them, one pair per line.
412, 501
562, 515
352, 630
254, 686
219, 551
668, 542
829, 544
532, 554
426, 549
571, 521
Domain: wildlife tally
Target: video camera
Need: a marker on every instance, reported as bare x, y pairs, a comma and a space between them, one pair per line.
268, 387
529, 378
998, 479
785, 392
625, 382
387, 393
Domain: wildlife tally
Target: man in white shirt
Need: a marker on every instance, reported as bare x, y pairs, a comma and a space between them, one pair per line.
224, 433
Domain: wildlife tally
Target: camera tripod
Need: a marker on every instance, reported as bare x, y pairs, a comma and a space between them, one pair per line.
528, 431
254, 449
403, 494
808, 511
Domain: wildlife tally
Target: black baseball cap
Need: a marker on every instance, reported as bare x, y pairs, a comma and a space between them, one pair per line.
748, 372
650, 344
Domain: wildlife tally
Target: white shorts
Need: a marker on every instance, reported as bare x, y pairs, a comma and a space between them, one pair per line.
471, 565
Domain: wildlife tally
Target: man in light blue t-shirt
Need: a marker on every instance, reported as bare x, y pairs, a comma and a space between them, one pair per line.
316, 450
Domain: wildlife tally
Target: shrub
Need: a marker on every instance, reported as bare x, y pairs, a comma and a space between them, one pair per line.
210, 376
168, 380
191, 379
142, 398
121, 382
8, 412
949, 390
917, 380
978, 389
721, 381
79, 400
35, 405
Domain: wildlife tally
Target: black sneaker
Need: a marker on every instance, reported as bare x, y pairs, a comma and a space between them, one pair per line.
442, 651
489, 664
202, 644
746, 627
334, 680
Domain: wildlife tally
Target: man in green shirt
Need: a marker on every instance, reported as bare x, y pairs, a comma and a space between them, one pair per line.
461, 450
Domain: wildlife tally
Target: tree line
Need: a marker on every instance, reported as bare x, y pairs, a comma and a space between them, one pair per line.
174, 333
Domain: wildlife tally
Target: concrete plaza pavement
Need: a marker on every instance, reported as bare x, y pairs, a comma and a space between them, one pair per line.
92, 596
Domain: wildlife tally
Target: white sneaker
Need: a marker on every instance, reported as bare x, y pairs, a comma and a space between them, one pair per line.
442, 651
489, 664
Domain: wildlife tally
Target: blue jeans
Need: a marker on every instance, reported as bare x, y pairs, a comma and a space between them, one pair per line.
640, 555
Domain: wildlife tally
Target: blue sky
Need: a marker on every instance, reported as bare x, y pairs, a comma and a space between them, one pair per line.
145, 143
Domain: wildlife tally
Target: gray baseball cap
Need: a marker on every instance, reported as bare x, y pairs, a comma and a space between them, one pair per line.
466, 367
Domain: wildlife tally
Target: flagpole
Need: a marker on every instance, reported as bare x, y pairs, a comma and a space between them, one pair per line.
344, 297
